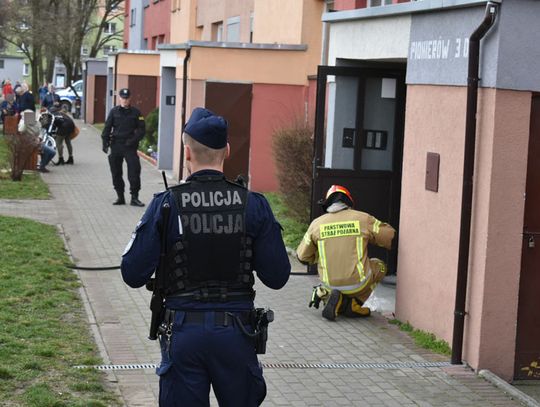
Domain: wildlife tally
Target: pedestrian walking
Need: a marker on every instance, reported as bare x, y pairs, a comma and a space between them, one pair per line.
338, 242
51, 98
124, 129
213, 233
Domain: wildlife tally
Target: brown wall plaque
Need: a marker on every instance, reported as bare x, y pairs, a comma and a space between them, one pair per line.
432, 172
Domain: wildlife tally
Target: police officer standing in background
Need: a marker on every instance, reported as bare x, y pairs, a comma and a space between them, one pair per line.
124, 128
217, 234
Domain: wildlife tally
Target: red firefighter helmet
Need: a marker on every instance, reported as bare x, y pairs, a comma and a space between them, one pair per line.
337, 193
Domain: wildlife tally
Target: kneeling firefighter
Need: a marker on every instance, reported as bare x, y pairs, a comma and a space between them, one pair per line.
338, 242
204, 238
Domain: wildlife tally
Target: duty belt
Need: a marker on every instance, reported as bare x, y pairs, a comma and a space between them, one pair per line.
204, 295
221, 318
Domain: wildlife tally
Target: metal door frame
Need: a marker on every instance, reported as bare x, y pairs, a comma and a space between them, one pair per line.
373, 69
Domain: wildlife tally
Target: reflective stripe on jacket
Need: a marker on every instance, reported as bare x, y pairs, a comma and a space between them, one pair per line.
338, 242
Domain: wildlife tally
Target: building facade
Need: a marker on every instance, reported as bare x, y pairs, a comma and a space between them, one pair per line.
398, 86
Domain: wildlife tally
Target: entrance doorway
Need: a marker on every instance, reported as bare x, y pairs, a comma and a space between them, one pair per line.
359, 127
527, 365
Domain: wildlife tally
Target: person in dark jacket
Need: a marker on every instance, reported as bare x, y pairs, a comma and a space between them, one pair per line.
124, 129
51, 99
26, 99
217, 234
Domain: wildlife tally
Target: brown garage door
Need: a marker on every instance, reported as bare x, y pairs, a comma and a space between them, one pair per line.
100, 92
233, 102
143, 92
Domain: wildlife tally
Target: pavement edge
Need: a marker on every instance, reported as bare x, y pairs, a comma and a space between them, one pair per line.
523, 398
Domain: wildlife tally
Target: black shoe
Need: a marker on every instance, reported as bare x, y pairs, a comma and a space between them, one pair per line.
60, 161
70, 160
136, 202
333, 303
120, 200
43, 169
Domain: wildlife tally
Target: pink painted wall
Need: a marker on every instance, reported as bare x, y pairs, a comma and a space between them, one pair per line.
89, 99
430, 222
503, 122
157, 21
273, 107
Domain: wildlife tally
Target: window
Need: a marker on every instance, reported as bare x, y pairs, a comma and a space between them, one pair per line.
132, 18
84, 50
26, 70
111, 28
109, 49
24, 25
233, 29
22, 48
1, 64
2, 45
376, 3
217, 31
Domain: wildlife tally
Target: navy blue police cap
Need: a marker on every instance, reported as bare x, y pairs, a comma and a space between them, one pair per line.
207, 128
124, 93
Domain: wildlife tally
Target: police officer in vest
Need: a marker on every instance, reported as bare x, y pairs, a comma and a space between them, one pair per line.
217, 233
123, 130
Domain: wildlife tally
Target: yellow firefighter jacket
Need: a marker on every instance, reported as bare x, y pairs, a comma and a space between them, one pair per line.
338, 242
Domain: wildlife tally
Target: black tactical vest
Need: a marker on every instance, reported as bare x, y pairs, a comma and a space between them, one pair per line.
212, 259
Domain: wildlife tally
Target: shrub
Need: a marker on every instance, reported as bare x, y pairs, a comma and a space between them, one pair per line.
151, 136
293, 151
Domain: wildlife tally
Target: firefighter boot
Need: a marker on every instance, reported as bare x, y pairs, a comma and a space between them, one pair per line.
332, 305
70, 160
60, 161
120, 200
135, 200
355, 309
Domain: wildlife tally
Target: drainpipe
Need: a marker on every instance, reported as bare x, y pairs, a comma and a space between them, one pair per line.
468, 174
184, 103
115, 77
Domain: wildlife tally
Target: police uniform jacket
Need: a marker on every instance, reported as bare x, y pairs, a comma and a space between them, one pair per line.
123, 126
338, 242
270, 260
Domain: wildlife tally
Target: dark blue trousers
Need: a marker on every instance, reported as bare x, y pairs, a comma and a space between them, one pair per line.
201, 354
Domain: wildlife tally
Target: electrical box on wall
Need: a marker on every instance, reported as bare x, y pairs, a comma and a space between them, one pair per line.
348, 138
432, 172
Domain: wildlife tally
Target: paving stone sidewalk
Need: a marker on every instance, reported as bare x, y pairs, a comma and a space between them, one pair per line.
388, 368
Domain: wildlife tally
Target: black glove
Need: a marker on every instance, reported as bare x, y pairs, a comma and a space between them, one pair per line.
105, 148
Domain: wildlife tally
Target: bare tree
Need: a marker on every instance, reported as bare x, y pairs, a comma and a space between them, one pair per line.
24, 26
108, 10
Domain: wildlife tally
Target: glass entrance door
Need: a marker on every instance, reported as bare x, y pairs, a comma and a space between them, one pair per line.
358, 141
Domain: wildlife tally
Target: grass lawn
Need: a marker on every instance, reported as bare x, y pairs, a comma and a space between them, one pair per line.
44, 328
293, 230
31, 186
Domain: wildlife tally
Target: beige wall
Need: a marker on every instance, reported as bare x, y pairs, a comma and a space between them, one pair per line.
278, 21
249, 65
430, 222
90, 95
183, 22
138, 64
212, 11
